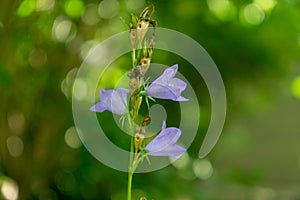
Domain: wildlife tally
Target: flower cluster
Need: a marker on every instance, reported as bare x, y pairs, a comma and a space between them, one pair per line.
165, 86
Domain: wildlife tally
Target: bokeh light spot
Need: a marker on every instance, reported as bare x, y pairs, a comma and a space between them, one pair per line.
252, 14
108, 8
74, 8
183, 163
67, 83
202, 169
37, 58
63, 29
26, 8
82, 90
15, 146
65, 182
295, 87
224, 10
72, 139
9, 188
263, 193
86, 47
133, 5
16, 122
90, 15
266, 5
45, 5
184, 166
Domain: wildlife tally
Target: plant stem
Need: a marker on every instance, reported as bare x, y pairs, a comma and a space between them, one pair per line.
129, 185
133, 58
130, 174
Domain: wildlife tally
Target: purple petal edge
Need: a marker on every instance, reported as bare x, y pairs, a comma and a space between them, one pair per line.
174, 151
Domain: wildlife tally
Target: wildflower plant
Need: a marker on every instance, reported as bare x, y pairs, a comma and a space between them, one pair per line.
140, 90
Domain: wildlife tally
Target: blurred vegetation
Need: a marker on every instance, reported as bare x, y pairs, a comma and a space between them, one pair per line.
255, 45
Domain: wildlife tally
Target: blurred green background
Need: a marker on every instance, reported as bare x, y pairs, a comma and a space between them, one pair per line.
255, 45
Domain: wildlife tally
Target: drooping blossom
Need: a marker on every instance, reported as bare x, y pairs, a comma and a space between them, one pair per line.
167, 87
114, 101
164, 144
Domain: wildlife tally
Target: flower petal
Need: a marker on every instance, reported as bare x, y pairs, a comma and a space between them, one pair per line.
177, 84
99, 107
119, 101
167, 87
164, 125
181, 99
167, 74
160, 91
166, 137
112, 100
165, 92
105, 97
173, 150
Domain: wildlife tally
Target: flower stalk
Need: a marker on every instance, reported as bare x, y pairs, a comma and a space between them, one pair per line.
129, 185
165, 86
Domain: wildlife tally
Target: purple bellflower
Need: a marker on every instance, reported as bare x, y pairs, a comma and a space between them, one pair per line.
164, 144
114, 101
167, 87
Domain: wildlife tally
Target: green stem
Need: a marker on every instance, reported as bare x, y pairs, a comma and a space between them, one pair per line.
137, 161
139, 51
133, 58
131, 152
129, 185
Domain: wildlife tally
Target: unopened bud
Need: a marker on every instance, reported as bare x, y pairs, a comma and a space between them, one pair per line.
146, 120
142, 28
135, 78
145, 63
133, 84
139, 137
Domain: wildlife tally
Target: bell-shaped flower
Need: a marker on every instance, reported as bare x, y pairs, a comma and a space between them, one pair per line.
167, 87
164, 144
114, 101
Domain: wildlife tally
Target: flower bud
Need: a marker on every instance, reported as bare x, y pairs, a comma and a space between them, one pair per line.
146, 120
133, 84
144, 21
139, 137
135, 78
145, 63
142, 28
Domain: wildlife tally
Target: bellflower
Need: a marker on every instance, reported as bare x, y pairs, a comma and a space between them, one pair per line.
114, 101
167, 87
164, 144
